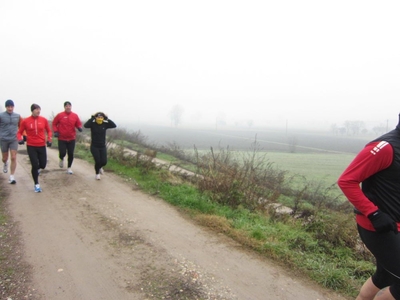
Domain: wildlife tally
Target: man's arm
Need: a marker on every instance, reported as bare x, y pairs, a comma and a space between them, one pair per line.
373, 158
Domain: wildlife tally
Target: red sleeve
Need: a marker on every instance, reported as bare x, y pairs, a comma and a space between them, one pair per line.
54, 124
78, 123
48, 130
373, 158
21, 130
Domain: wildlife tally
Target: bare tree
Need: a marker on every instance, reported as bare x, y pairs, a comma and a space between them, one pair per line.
381, 129
176, 114
354, 127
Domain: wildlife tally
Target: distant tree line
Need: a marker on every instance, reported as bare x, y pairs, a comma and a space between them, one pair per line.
356, 128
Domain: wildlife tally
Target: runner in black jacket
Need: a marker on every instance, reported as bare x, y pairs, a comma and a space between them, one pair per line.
98, 124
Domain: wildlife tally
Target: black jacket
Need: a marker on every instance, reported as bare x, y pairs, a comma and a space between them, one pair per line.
98, 131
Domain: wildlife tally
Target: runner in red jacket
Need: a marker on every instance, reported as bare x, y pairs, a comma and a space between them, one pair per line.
36, 128
372, 184
64, 126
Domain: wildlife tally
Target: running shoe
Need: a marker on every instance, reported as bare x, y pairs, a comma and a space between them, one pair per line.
12, 180
61, 163
101, 171
69, 171
5, 167
39, 171
97, 176
37, 188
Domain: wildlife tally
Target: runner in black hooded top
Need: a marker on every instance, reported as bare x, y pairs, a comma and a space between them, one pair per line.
98, 124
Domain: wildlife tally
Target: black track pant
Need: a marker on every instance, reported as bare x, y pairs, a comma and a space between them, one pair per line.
38, 158
386, 249
65, 147
100, 157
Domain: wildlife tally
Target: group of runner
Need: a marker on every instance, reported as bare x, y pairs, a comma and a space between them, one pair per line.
36, 132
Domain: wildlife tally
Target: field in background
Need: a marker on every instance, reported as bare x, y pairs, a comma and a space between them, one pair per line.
316, 155
319, 168
314, 166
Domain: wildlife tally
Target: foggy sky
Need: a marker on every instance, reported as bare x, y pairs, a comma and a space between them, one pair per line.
302, 63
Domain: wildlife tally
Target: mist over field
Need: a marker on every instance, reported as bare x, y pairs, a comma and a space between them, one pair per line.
274, 140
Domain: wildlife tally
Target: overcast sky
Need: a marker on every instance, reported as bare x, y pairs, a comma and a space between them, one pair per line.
273, 62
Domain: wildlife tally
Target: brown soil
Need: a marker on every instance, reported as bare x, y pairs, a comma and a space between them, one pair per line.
87, 239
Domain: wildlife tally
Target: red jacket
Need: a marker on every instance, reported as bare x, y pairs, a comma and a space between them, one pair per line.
65, 124
375, 157
35, 128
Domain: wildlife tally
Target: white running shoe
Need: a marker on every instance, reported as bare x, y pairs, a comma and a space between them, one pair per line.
97, 176
69, 171
12, 180
39, 171
37, 188
5, 167
61, 163
101, 171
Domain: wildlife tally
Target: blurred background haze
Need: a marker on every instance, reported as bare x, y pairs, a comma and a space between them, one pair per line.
296, 64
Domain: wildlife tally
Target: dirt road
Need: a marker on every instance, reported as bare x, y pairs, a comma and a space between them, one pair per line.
88, 239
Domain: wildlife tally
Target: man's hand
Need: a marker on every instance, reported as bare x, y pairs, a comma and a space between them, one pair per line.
48, 144
80, 129
21, 142
56, 134
382, 222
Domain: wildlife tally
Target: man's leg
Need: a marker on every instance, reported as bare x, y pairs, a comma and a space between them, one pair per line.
368, 291
13, 165
62, 151
70, 152
13, 151
33, 157
4, 151
4, 157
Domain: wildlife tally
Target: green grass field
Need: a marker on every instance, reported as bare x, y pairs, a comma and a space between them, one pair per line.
325, 167
314, 166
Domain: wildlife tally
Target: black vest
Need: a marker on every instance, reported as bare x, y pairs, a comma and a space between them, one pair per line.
383, 188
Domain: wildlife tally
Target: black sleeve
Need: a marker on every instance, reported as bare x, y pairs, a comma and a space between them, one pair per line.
88, 123
111, 124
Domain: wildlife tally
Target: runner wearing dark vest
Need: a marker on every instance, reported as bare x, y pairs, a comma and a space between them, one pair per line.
372, 184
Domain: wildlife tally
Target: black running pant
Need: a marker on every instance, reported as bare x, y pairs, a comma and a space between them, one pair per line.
38, 158
65, 147
99, 156
386, 249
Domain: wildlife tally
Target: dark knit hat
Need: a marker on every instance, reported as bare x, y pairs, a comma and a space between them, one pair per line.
67, 103
9, 102
34, 106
